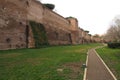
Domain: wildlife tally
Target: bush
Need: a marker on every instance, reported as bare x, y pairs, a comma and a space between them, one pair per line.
114, 45
50, 6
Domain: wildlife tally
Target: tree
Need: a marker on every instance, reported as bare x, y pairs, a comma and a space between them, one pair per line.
113, 33
96, 35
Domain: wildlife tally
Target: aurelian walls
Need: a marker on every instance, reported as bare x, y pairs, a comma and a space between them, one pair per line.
16, 31
57, 28
73, 27
12, 25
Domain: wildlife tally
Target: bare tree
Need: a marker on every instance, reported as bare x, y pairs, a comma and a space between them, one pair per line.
113, 33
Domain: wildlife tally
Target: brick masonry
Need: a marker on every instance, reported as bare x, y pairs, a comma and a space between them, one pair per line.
15, 31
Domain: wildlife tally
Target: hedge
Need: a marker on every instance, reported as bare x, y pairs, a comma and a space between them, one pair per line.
114, 45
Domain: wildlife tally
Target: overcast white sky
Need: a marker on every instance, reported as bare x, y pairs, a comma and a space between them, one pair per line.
93, 15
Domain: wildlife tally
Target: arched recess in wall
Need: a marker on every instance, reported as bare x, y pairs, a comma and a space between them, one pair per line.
70, 39
27, 3
27, 35
39, 34
56, 35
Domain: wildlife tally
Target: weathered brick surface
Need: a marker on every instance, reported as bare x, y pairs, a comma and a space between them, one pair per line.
15, 31
12, 26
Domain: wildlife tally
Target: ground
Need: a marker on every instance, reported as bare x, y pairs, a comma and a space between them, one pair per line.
50, 63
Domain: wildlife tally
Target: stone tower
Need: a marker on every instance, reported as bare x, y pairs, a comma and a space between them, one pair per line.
74, 29
73, 23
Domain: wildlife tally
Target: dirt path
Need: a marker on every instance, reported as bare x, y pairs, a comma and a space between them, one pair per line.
96, 70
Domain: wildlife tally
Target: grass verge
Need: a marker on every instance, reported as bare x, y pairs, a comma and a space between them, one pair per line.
52, 63
111, 58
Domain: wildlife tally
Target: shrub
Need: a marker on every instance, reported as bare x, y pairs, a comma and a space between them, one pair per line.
114, 45
50, 6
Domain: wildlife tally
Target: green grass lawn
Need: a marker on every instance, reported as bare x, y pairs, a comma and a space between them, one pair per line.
112, 59
52, 63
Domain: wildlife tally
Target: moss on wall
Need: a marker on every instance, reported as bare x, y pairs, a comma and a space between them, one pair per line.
39, 34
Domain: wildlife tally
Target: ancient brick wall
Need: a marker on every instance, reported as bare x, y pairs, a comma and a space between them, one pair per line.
12, 25
57, 28
35, 11
73, 23
80, 36
15, 31
73, 27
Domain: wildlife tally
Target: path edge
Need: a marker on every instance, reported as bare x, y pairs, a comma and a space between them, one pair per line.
106, 66
85, 70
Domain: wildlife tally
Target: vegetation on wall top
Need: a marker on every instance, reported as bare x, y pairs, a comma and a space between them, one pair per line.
50, 6
70, 17
87, 31
89, 34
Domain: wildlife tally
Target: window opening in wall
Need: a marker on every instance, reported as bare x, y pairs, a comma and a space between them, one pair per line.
8, 40
20, 23
10, 45
27, 3
56, 35
69, 22
22, 45
70, 38
27, 35
20, 38
3, 8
